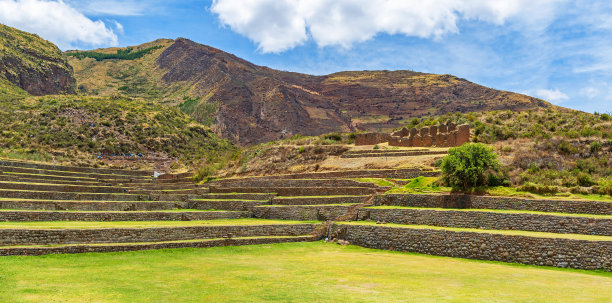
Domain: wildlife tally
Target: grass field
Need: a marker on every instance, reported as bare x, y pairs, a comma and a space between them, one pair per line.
296, 272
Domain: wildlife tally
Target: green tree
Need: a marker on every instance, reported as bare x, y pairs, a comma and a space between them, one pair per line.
470, 166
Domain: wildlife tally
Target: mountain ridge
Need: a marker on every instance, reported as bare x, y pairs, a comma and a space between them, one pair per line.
250, 104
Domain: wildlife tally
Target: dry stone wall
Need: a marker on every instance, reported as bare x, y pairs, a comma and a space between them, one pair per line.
114, 235
489, 202
303, 212
491, 220
581, 254
441, 136
30, 216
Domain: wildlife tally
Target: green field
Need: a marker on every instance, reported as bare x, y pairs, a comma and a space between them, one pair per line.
296, 272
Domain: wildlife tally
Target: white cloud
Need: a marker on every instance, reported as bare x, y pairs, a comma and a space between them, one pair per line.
590, 92
554, 96
55, 21
278, 25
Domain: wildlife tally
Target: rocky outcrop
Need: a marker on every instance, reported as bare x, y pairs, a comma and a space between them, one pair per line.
35, 65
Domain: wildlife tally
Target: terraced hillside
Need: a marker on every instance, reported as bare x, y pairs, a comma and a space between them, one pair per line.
54, 209
248, 104
59, 209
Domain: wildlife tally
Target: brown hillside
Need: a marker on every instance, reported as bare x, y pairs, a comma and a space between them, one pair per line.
252, 104
33, 64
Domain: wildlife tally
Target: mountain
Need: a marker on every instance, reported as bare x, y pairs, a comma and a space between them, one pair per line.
251, 104
33, 64
77, 129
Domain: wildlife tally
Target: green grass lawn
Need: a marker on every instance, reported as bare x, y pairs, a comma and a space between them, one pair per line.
296, 272
141, 224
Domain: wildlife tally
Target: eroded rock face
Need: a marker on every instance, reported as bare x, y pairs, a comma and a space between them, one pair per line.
35, 65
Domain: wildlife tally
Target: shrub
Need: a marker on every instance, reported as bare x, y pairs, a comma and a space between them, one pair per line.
605, 186
469, 166
539, 189
595, 147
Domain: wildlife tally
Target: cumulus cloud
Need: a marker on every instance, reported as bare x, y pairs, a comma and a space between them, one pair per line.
279, 25
55, 21
554, 96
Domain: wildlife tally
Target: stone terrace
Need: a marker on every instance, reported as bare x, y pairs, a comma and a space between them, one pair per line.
99, 210
76, 209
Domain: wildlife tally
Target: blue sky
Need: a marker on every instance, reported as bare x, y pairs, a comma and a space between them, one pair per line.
557, 50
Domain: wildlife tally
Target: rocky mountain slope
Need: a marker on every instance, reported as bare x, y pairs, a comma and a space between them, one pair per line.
250, 104
33, 64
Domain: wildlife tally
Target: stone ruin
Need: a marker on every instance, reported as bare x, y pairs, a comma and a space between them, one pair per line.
444, 135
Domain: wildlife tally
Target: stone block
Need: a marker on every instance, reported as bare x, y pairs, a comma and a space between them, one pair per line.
427, 141
463, 134
433, 131
413, 132
442, 128
452, 139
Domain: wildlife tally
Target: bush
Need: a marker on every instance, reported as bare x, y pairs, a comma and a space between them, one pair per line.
470, 166
539, 189
605, 186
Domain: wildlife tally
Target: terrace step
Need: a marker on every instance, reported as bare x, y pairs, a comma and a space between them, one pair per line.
559, 250
318, 200
491, 202
301, 212
407, 173
184, 215
238, 196
497, 220
84, 205
35, 171
225, 204
96, 182
398, 153
54, 195
191, 191
36, 165
200, 243
268, 183
61, 187
44, 233
300, 191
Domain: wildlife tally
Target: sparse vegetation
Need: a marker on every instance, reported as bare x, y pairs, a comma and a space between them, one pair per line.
82, 128
121, 54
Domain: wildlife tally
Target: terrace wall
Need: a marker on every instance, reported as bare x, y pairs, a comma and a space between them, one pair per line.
579, 254
489, 202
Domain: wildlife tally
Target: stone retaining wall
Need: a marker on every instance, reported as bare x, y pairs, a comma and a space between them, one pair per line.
319, 200
92, 205
72, 174
74, 249
31, 216
234, 205
62, 188
517, 249
489, 202
491, 220
154, 234
404, 173
297, 212
50, 195
141, 173
263, 182
393, 154
299, 191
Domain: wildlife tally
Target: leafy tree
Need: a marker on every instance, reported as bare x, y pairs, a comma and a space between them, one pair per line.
470, 166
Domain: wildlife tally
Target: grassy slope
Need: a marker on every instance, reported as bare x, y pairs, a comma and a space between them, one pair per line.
135, 78
306, 272
78, 128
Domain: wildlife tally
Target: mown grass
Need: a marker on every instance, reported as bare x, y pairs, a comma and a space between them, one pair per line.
488, 231
294, 272
142, 224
